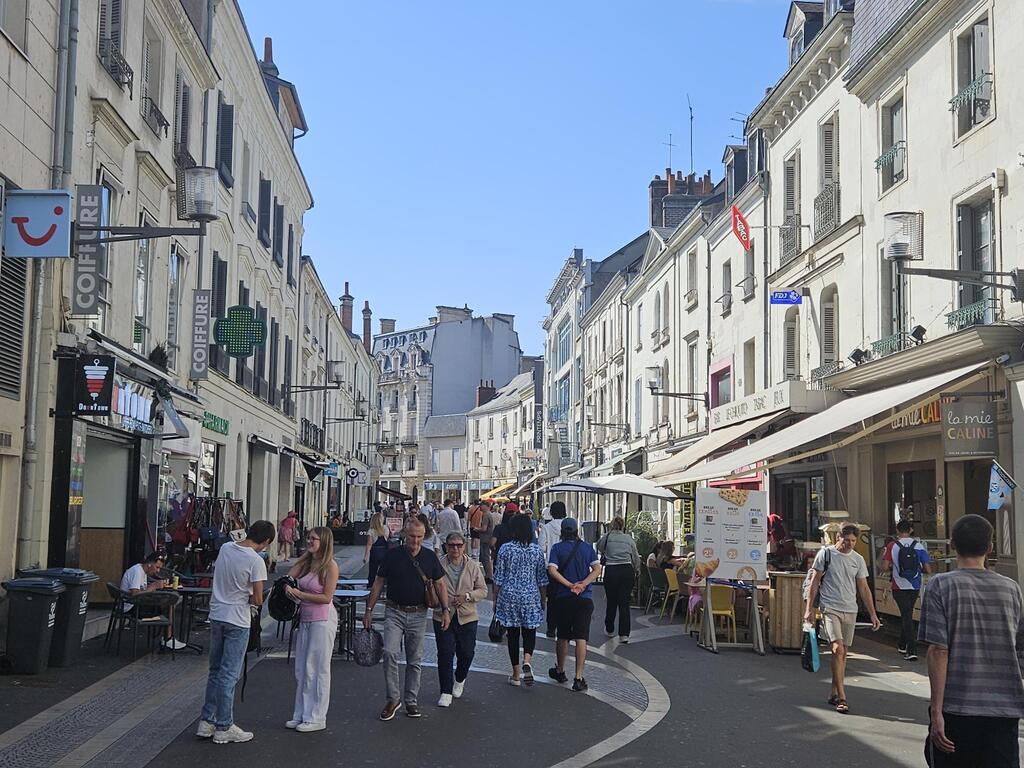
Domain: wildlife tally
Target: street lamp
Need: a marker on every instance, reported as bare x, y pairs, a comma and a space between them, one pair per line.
614, 424
654, 383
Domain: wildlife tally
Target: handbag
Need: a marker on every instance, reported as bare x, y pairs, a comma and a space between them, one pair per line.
495, 632
369, 648
809, 657
429, 588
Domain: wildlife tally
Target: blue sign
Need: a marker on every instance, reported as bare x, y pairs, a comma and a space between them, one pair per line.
331, 470
787, 297
37, 224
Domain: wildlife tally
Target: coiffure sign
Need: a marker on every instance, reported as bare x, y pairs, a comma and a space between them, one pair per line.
90, 255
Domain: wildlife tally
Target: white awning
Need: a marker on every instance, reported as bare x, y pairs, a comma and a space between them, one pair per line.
614, 484
609, 466
830, 421
585, 469
707, 445
526, 487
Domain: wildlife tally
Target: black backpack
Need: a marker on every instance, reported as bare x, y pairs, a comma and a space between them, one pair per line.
908, 560
279, 605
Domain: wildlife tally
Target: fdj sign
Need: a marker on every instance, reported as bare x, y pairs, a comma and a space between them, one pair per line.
787, 297
240, 331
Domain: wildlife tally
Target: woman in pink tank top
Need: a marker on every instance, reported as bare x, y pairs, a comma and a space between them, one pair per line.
317, 576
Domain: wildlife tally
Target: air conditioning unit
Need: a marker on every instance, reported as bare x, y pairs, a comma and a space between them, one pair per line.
904, 236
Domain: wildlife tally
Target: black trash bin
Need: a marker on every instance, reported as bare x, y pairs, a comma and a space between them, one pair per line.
30, 621
72, 608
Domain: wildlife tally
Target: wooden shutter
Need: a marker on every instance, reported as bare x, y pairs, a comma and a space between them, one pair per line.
177, 111
115, 22
220, 286
899, 159
278, 233
13, 282
104, 24
147, 67
828, 331
265, 211
828, 147
291, 254
981, 65
791, 359
789, 187
225, 141
186, 114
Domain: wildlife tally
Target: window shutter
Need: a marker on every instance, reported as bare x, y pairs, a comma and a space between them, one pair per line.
177, 110
789, 187
828, 332
104, 23
225, 142
115, 22
828, 168
186, 114
792, 350
899, 159
220, 286
291, 254
147, 59
13, 279
278, 234
265, 211
981, 65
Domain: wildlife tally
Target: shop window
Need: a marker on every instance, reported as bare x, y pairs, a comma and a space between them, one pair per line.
208, 479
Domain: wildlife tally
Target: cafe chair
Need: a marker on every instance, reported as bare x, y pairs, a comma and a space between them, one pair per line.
722, 607
149, 612
659, 586
672, 591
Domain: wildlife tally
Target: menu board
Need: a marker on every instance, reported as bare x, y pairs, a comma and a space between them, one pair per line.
732, 534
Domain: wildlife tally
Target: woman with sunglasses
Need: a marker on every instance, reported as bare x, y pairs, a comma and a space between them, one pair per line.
317, 576
466, 587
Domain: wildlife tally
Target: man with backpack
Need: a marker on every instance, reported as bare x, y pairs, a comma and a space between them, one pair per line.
838, 575
906, 559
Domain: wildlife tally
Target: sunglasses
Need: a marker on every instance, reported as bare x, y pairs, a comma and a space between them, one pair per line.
460, 544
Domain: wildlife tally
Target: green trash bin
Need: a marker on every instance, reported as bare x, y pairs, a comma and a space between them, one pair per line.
72, 607
30, 620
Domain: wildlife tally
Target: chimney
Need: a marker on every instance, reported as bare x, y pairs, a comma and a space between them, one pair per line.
346, 310
367, 328
658, 189
387, 326
268, 65
671, 181
484, 392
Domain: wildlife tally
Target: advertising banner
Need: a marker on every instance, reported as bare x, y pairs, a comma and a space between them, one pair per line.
732, 534
688, 508
969, 429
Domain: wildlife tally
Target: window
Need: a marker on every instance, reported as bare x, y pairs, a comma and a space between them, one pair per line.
286, 387
637, 404
412, 398
140, 300
691, 372
13, 18
691, 279
749, 374
219, 292
435, 460
975, 249
111, 42
893, 162
151, 59
174, 268
973, 100
225, 142
830, 325
656, 318
564, 343
504, 427
291, 255
791, 187
755, 153
665, 307
411, 465
721, 387
490, 427
265, 212
892, 298
456, 459
832, 8
242, 371
109, 195
247, 197
561, 406
13, 283
726, 298
666, 384
639, 326
828, 147
791, 345
182, 113
476, 429
747, 284
490, 460
796, 45
278, 234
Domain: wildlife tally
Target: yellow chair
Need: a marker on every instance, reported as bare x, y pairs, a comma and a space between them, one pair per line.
722, 605
670, 593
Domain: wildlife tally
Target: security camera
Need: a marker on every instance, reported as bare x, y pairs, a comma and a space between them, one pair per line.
1003, 359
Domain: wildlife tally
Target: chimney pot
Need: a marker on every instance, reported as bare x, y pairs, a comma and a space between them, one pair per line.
367, 326
268, 50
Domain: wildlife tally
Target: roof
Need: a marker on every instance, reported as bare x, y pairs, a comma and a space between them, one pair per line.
874, 23
507, 396
452, 425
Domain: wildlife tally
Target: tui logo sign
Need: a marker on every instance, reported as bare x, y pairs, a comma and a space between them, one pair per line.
37, 224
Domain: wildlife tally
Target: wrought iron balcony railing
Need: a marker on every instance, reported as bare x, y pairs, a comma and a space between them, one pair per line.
826, 211
888, 158
819, 373
116, 64
311, 435
978, 313
969, 93
890, 345
726, 301
789, 238
153, 117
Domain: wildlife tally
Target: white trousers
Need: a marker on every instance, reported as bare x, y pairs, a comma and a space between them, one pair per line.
313, 650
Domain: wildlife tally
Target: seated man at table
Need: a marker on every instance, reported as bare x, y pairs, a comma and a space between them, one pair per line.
136, 580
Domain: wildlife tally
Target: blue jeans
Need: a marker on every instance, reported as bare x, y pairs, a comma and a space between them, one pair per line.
227, 653
456, 642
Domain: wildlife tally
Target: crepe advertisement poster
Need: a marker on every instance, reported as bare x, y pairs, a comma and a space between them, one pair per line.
732, 534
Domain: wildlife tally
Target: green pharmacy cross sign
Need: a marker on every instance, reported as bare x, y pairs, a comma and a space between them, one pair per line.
240, 331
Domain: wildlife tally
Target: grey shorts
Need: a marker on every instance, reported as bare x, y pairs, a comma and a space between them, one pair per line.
838, 626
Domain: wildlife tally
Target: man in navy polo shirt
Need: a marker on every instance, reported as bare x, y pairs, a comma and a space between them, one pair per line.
573, 566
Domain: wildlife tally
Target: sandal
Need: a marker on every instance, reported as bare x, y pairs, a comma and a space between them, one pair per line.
833, 700
842, 707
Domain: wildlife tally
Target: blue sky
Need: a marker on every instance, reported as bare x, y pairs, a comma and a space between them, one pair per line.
459, 150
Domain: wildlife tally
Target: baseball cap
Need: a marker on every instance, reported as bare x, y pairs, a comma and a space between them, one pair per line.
569, 524
511, 507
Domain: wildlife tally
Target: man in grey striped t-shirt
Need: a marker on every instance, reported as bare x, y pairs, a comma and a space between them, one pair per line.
973, 621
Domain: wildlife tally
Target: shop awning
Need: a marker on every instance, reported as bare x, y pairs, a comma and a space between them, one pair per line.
258, 441
497, 490
133, 359
582, 471
609, 466
393, 494
841, 416
614, 484
527, 487
707, 445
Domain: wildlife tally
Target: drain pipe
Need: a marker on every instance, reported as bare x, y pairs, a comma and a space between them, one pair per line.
29, 545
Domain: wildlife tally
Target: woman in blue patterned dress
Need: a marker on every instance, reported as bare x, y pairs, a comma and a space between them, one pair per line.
520, 578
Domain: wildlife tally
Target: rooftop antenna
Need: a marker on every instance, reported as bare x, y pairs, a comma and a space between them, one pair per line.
690, 106
669, 144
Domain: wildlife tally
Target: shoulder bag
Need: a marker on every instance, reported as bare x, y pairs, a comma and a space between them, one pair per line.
429, 588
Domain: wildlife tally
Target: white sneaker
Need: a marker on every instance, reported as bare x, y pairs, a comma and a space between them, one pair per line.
205, 729
310, 727
292, 724
457, 689
233, 735
445, 700
623, 639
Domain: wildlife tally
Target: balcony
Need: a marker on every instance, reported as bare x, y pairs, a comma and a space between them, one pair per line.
726, 301
789, 238
976, 96
826, 211
116, 64
747, 285
311, 435
690, 298
183, 160
153, 117
823, 371
979, 313
287, 404
890, 345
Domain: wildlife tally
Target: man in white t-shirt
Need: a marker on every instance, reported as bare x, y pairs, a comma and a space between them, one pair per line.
238, 578
137, 580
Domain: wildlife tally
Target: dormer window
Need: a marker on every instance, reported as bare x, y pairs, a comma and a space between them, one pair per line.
832, 8
796, 45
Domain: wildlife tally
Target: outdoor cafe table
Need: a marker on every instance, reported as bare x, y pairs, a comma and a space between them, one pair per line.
188, 601
346, 600
349, 583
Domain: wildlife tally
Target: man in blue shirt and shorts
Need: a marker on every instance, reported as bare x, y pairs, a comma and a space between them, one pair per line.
573, 566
